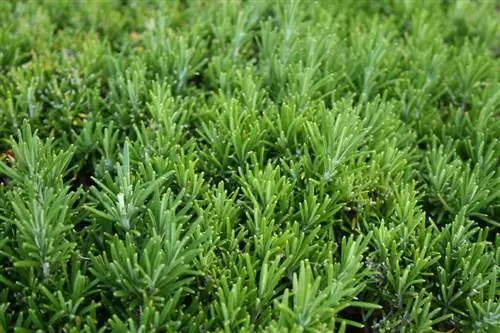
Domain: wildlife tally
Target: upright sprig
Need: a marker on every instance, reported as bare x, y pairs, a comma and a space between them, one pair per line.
41, 202
124, 197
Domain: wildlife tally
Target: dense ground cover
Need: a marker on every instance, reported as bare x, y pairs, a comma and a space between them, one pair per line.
244, 166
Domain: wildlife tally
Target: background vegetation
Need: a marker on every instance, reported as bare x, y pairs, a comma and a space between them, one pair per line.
249, 166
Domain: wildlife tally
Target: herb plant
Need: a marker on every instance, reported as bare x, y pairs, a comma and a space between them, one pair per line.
249, 166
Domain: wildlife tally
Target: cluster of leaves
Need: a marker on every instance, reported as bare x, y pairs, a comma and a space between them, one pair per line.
249, 166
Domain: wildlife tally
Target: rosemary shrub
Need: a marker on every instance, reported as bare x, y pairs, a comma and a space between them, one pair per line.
249, 166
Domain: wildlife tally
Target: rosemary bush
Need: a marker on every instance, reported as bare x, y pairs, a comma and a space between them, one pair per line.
250, 166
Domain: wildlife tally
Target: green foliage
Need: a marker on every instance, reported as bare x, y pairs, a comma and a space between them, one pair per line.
249, 166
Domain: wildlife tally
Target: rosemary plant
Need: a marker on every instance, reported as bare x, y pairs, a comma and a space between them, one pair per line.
250, 166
